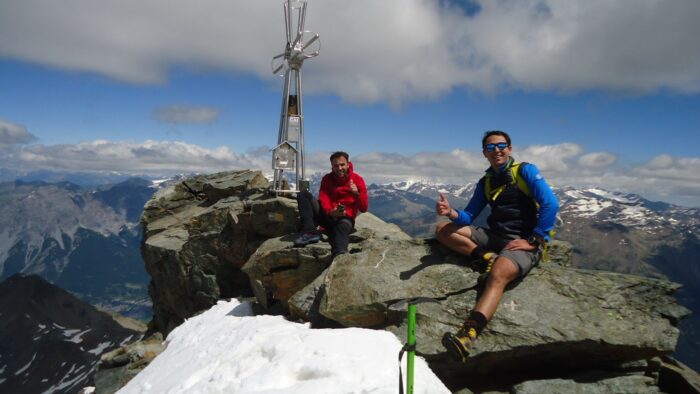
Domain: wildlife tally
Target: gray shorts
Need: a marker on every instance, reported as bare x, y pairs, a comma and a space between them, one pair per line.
523, 259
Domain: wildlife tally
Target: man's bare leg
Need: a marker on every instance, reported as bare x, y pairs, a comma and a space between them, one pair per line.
458, 239
503, 272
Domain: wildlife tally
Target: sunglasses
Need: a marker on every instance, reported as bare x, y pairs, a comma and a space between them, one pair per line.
492, 147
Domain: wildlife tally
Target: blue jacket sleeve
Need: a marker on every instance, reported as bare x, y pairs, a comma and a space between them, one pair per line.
543, 194
474, 207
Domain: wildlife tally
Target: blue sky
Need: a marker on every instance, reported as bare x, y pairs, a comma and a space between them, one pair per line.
595, 93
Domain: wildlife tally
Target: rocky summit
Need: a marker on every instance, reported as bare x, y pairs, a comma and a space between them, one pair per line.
224, 235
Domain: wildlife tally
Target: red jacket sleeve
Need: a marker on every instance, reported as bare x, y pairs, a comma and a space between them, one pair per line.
363, 200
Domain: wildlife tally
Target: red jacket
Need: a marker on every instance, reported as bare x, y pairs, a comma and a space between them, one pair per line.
335, 190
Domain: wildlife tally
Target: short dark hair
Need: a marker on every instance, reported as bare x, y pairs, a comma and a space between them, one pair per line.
338, 154
494, 132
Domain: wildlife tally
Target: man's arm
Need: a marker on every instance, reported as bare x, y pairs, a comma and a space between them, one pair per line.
324, 195
473, 208
543, 194
362, 201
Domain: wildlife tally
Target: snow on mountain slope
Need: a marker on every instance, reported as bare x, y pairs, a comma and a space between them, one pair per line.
228, 350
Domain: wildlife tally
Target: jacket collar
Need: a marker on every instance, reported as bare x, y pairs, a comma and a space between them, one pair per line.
504, 168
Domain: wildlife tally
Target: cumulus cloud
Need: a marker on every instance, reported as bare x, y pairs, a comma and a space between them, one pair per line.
550, 158
393, 50
666, 178
14, 134
596, 160
149, 157
179, 114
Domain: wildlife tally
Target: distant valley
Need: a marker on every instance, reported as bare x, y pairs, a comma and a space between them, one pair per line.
85, 240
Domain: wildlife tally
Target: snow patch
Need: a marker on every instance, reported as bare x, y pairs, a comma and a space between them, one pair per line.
75, 338
100, 348
227, 350
26, 367
67, 382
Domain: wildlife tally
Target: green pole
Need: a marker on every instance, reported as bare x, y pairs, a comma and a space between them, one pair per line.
411, 347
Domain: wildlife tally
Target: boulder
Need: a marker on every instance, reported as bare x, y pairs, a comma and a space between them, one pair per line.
197, 235
556, 319
120, 365
278, 270
565, 317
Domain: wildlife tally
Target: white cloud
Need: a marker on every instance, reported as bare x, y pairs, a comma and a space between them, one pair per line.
550, 158
666, 178
596, 160
391, 50
14, 134
660, 162
149, 157
176, 114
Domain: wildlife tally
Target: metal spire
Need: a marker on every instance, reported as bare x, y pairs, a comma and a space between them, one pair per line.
289, 152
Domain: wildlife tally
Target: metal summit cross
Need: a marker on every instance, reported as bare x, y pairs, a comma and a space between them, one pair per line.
289, 153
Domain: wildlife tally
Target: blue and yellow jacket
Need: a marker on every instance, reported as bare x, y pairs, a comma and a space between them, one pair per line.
513, 211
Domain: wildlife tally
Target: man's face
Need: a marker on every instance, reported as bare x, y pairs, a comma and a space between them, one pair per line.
340, 166
493, 152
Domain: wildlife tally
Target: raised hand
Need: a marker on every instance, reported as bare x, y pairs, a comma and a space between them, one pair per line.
443, 206
353, 188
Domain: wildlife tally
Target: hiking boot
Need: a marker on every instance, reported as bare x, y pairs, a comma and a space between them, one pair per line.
307, 238
485, 263
460, 344
489, 258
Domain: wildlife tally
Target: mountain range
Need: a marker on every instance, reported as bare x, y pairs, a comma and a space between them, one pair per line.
86, 239
83, 239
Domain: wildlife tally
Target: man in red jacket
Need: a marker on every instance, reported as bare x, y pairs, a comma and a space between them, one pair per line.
343, 195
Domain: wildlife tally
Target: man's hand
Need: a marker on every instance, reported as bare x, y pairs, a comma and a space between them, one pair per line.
519, 244
353, 188
338, 212
443, 206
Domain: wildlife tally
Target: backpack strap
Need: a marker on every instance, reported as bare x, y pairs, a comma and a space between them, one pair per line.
516, 173
516, 178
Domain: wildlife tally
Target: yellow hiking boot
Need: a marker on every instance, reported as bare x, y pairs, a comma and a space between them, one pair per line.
460, 344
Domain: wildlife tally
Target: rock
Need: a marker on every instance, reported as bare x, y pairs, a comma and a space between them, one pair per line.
676, 377
278, 270
619, 384
119, 366
556, 317
560, 253
199, 233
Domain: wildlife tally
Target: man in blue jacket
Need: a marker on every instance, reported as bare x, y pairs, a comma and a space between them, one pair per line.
523, 212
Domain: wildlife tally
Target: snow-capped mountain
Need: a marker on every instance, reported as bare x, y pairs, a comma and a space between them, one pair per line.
626, 209
50, 341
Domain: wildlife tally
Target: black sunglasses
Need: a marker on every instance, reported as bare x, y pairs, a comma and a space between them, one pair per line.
492, 147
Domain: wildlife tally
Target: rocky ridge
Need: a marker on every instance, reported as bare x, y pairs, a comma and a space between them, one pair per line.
210, 236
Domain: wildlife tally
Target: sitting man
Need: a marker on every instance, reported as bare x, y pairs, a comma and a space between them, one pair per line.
523, 212
342, 196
